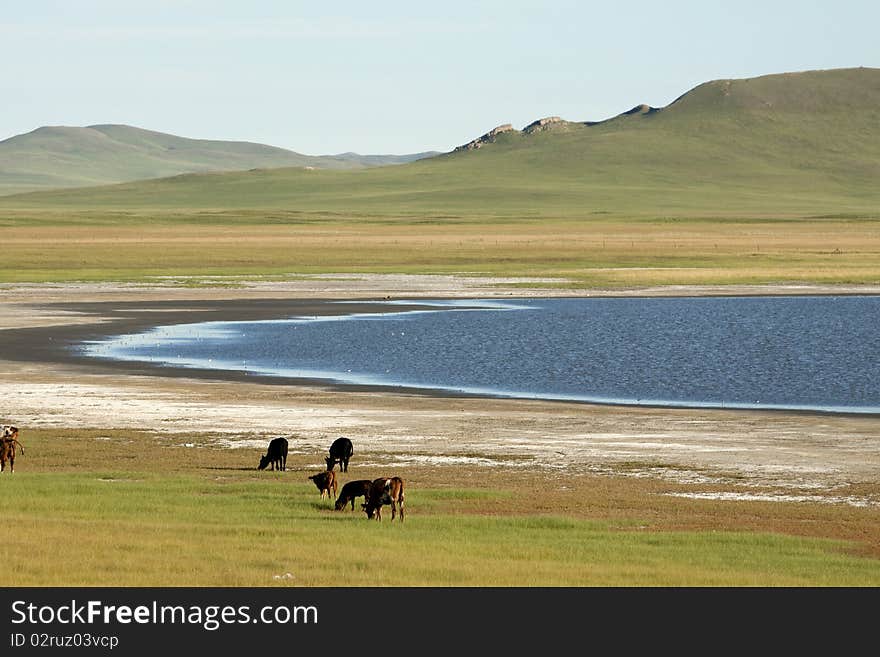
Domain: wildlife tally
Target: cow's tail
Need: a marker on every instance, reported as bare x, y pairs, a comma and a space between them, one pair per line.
20, 446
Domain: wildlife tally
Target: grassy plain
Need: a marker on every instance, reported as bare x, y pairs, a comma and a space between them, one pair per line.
135, 509
603, 252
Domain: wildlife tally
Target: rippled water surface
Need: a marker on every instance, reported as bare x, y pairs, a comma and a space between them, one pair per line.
811, 353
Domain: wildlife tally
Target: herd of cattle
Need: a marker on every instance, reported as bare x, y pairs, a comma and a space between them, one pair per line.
376, 492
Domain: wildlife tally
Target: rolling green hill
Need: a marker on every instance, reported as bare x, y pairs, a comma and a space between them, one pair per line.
60, 156
796, 143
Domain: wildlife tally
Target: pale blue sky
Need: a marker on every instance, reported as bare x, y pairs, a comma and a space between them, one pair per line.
394, 77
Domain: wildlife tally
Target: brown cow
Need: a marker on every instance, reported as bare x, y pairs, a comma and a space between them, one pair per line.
385, 490
352, 490
326, 483
8, 441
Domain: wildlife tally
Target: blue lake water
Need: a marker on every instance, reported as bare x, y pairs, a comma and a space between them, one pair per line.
802, 353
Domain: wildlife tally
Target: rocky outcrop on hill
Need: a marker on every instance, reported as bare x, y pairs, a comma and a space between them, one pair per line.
547, 123
543, 124
550, 123
488, 138
535, 126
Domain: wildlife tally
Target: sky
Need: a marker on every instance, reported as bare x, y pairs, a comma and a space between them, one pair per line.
394, 77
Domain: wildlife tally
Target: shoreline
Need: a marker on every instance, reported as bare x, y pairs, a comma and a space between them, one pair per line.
775, 453
120, 319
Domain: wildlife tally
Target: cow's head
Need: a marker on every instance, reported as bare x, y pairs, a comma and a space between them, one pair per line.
330, 462
264, 461
369, 510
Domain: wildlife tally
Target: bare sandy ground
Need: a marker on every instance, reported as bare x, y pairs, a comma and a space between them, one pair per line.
726, 454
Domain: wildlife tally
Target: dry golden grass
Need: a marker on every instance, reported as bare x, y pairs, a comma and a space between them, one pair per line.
606, 252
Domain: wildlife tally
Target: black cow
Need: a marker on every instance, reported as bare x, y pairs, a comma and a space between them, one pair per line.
351, 490
340, 451
276, 454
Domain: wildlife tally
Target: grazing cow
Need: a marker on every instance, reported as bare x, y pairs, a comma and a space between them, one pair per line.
385, 490
326, 483
8, 441
340, 451
276, 454
352, 490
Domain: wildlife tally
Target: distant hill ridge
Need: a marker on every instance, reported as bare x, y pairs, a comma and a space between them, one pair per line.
789, 144
805, 92
70, 156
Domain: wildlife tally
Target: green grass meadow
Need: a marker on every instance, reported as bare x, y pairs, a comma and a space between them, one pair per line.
142, 529
154, 513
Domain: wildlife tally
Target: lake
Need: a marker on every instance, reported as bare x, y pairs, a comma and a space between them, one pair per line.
815, 353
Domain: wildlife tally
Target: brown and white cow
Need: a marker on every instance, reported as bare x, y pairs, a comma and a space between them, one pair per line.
385, 490
326, 483
8, 441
